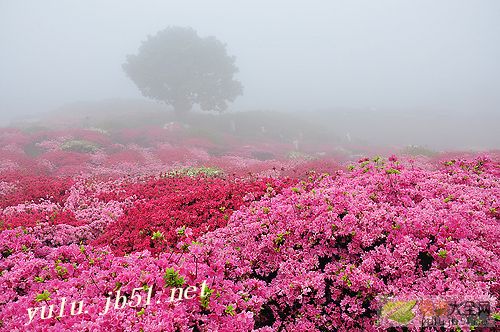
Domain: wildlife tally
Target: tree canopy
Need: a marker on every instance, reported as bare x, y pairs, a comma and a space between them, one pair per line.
178, 67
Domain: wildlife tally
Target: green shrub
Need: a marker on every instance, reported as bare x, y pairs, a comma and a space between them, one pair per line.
415, 150
299, 155
196, 171
80, 146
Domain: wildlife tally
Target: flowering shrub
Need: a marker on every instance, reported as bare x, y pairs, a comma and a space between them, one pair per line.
165, 207
323, 251
126, 156
277, 244
34, 275
31, 187
51, 217
63, 159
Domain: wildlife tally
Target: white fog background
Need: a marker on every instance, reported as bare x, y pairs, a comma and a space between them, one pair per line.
427, 67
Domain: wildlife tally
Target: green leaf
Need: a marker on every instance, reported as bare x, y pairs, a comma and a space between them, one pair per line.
442, 253
449, 198
45, 296
172, 278
230, 310
157, 236
392, 171
205, 300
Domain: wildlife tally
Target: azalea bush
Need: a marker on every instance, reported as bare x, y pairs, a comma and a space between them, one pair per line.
327, 248
22, 187
34, 275
264, 239
164, 207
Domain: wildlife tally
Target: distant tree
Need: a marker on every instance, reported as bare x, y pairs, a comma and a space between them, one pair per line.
178, 67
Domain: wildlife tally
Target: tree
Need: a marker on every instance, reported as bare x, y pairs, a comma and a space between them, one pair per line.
181, 69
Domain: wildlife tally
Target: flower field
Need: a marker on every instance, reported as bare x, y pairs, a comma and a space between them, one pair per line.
269, 238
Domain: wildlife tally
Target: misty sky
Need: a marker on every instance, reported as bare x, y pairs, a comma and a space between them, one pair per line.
384, 54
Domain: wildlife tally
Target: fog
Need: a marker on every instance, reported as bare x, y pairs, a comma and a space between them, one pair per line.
389, 57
